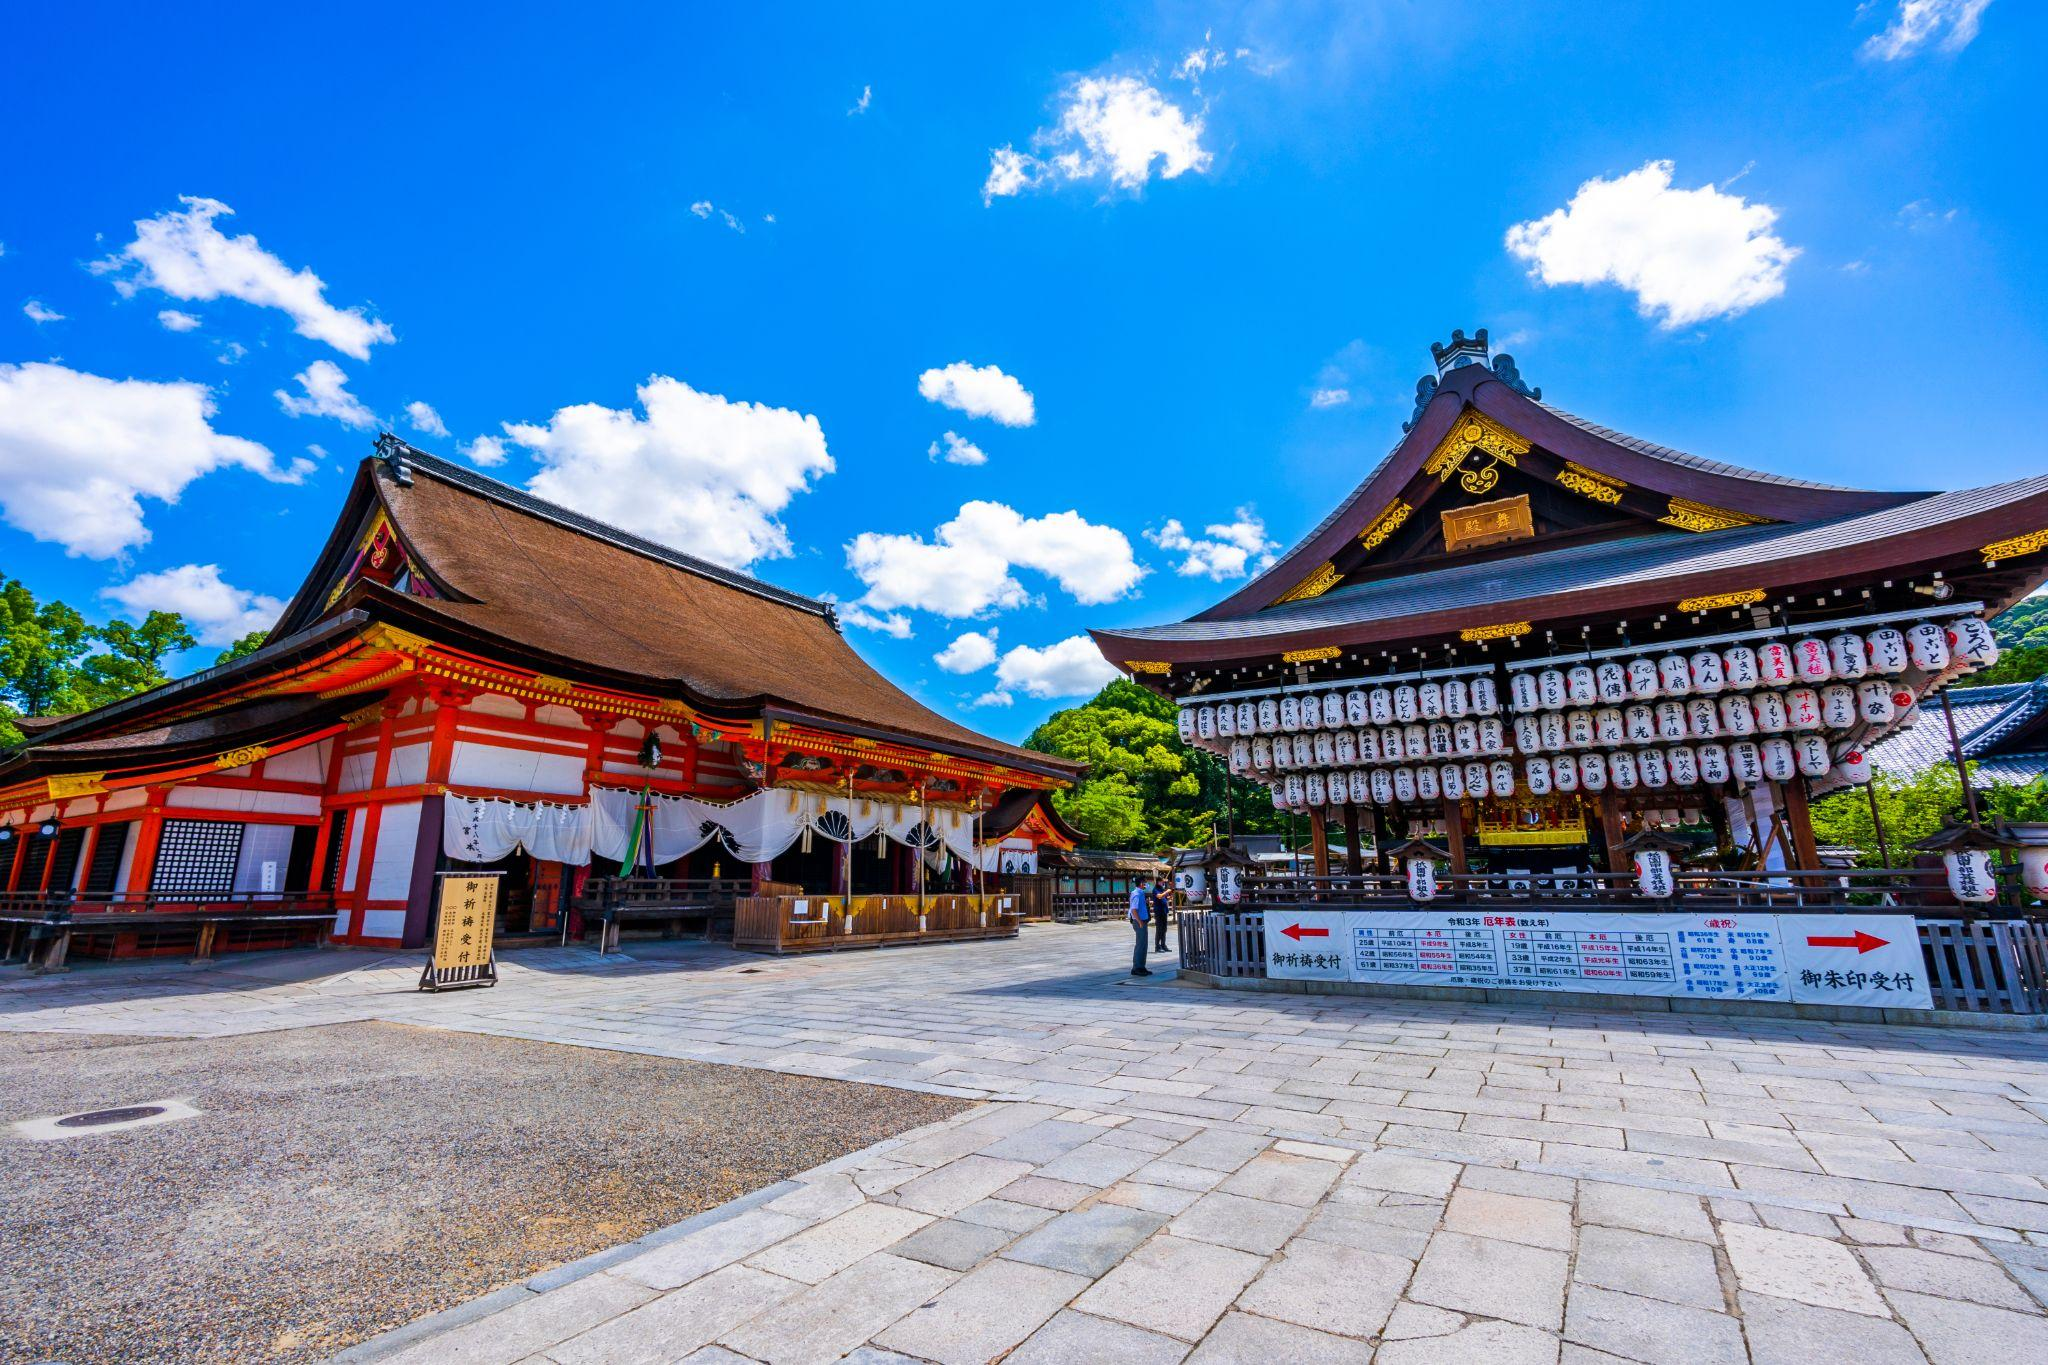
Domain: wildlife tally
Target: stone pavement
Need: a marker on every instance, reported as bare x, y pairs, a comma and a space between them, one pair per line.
1167, 1173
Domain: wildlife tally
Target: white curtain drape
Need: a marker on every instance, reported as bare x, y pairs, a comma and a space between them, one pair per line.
475, 830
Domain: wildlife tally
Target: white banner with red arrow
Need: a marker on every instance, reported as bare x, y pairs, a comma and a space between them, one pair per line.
1870, 960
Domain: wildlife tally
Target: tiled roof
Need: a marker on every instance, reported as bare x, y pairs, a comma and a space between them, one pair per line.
1983, 716
1680, 457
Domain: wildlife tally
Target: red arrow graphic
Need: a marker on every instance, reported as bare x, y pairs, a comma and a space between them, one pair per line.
1297, 933
1861, 942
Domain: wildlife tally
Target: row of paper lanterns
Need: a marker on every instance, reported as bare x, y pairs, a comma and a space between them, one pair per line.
1655, 878
1453, 699
1831, 707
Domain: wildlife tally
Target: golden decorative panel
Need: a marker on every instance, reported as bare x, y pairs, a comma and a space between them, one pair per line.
1590, 483
1688, 515
1507, 630
1310, 656
67, 785
548, 682
237, 758
1722, 599
2016, 546
391, 637
1315, 585
1473, 431
1488, 523
1384, 525
1147, 666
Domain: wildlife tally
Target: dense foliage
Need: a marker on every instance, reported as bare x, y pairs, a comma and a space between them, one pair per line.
1145, 788
1912, 810
54, 662
2023, 627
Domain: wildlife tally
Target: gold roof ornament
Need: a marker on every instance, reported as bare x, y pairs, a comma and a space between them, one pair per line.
2015, 546
1716, 601
1507, 630
1316, 584
1688, 515
1590, 483
1310, 656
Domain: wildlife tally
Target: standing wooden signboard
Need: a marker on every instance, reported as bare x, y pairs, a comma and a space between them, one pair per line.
468, 916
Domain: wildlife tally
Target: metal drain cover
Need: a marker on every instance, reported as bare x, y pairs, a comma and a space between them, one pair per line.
99, 1118
96, 1122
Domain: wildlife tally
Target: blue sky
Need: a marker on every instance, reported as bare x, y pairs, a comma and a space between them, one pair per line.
732, 275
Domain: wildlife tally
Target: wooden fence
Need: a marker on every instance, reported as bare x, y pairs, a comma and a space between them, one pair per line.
824, 923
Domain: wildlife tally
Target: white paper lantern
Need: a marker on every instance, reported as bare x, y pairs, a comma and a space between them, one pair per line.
1610, 679
1492, 737
1333, 710
1810, 752
1642, 678
1774, 664
1651, 769
1888, 653
1671, 720
1653, 874
1971, 640
1451, 778
1429, 700
1802, 709
1404, 783
1674, 676
1187, 723
1500, 778
1358, 786
1290, 713
1713, 764
1226, 722
1262, 753
1485, 697
1551, 689
1426, 788
1811, 659
1684, 763
1970, 875
1738, 717
1746, 762
1421, 879
1551, 726
1205, 722
1414, 740
1621, 770
1838, 706
1247, 718
1739, 663
1312, 787
1580, 688
1441, 745
1240, 755
1407, 705
1854, 766
1536, 771
1269, 716
1927, 646
2034, 871
1325, 748
1607, 726
1578, 729
1779, 763
1357, 707
1702, 718
1640, 722
1304, 750
1346, 745
1523, 692
1393, 744
1368, 746
1846, 655
1874, 701
1296, 789
1380, 704
1708, 675
1283, 753
1457, 698
1564, 773
1382, 787
1475, 778
1772, 715
1465, 737
1528, 734
1593, 772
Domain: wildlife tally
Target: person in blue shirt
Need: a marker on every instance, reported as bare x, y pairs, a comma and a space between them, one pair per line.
1139, 914
1162, 912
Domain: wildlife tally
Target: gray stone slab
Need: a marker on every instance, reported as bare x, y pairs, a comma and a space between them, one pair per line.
1328, 1287
1668, 1268
1233, 1221
708, 1249
1282, 1179
1782, 1332
828, 1320
1001, 1213
679, 1322
1073, 1338
1041, 1142
983, 1314
1511, 1218
1496, 1279
1790, 1265
1173, 1286
1651, 1330
1957, 1333
1242, 1339
953, 1243
1087, 1241
1494, 1343
1948, 1277
1664, 1212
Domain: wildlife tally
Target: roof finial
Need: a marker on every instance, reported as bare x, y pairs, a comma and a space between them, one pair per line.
1461, 351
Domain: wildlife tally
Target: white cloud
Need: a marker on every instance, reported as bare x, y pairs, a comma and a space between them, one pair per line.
175, 320
703, 473
218, 612
867, 97
231, 352
1226, 549
966, 568
36, 312
78, 452
1329, 398
998, 697
983, 392
958, 450
184, 255
1687, 255
424, 418
1917, 23
970, 652
484, 450
1072, 668
1111, 127
893, 624
326, 395
707, 210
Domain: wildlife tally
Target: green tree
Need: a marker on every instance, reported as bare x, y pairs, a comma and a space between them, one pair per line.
2023, 664
133, 658
1145, 788
2024, 625
1912, 810
54, 662
243, 647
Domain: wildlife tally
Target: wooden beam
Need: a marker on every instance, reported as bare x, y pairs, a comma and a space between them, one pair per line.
1354, 856
1611, 833
1454, 835
1319, 842
1799, 819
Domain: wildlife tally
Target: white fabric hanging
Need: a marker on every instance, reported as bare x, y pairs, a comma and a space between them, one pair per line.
483, 830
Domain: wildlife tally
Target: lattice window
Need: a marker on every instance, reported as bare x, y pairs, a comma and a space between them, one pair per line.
197, 858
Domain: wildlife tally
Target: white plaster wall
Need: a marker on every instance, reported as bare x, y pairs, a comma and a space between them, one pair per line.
408, 765
398, 832
191, 796
474, 764
384, 923
307, 764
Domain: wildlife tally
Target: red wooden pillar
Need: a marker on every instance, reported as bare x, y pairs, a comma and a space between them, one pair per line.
149, 833
763, 872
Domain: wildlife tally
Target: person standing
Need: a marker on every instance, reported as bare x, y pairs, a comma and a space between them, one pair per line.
1141, 900
1162, 910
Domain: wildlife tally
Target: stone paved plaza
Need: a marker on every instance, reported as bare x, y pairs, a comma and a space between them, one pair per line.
1164, 1173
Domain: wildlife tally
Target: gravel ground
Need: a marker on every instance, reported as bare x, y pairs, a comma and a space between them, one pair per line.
345, 1180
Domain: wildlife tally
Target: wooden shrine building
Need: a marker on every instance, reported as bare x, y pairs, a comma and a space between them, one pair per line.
469, 676
1542, 638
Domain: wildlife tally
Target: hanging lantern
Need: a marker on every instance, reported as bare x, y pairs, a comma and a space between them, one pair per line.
1578, 729
1290, 713
1708, 676
1713, 764
1778, 762
1475, 778
1854, 766
1485, 697
1406, 706
1421, 878
1671, 720
1888, 653
1971, 640
1621, 770
1927, 646
1774, 664
1283, 753
1528, 734
1240, 755
1564, 773
1642, 679
1551, 689
1262, 753
1550, 726
1651, 769
1593, 772
1607, 726
1358, 786
1684, 764
1457, 699
1380, 702
1451, 780
1523, 692
1393, 744
1739, 663
1500, 776
1226, 721
1746, 762
1640, 722
1874, 701
1304, 750
1702, 718
1325, 748
1187, 724
1838, 706
1970, 875
1382, 787
1333, 710
1313, 790
1492, 736
1247, 718
1404, 783
1345, 743
1440, 742
1269, 716
1357, 707
1368, 746
2034, 871
1429, 700
1610, 679
1426, 788
1205, 722
1415, 740
1296, 789
1846, 656
1674, 676
1654, 877
1811, 658
1536, 770
1802, 709
1772, 715
1465, 737
1810, 753
1579, 686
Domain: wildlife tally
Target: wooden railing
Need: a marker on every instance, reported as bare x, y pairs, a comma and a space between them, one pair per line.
40, 927
1080, 908
1833, 889
656, 891
811, 923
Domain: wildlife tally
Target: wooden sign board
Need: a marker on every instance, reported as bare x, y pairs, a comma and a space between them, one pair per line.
1487, 523
466, 918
